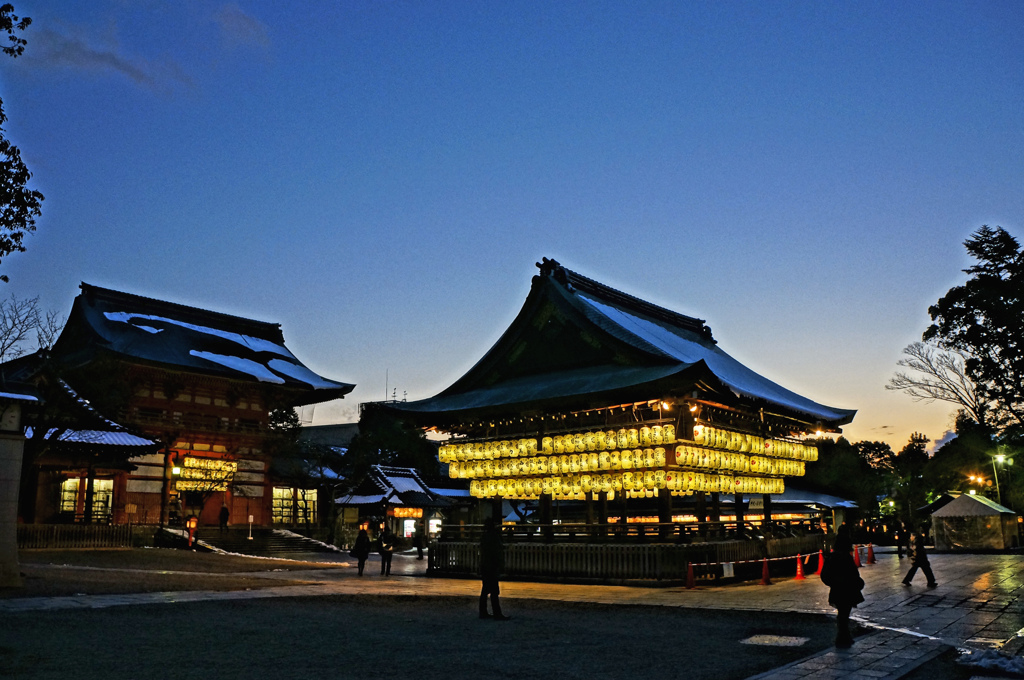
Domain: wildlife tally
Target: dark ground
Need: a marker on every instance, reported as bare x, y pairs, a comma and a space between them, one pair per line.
394, 637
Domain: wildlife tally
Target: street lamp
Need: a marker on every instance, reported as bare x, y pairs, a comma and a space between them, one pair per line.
1002, 460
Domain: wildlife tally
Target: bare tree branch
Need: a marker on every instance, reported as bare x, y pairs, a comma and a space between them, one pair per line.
50, 326
939, 374
18, 318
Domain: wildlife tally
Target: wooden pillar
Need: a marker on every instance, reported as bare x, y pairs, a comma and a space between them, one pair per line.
545, 517
165, 489
715, 515
602, 512
89, 494
739, 514
624, 521
701, 511
665, 513
497, 503
766, 525
591, 513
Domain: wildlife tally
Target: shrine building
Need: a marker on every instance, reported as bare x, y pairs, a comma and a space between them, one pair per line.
196, 389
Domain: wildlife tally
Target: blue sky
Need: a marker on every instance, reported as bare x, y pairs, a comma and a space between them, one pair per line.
380, 177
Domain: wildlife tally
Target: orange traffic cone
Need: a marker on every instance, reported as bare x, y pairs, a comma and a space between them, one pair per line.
690, 581
799, 568
821, 563
871, 553
856, 555
766, 579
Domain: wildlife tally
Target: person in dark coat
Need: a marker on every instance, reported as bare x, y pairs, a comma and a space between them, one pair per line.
841, 575
361, 549
492, 563
387, 550
919, 560
225, 514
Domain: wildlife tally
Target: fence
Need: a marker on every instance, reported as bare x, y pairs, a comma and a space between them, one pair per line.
74, 536
738, 559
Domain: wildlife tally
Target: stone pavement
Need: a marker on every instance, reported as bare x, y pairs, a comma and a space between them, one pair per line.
977, 605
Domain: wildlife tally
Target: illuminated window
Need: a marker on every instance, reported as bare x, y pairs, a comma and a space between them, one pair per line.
293, 506
305, 506
69, 495
102, 496
281, 506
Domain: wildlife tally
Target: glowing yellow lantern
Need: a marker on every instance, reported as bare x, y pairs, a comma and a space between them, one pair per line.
633, 438
615, 462
604, 460
699, 432
547, 444
626, 460
453, 470
574, 464
645, 436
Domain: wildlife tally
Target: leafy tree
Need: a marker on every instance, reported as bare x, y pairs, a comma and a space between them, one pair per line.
968, 455
983, 320
909, 487
385, 439
19, 205
844, 470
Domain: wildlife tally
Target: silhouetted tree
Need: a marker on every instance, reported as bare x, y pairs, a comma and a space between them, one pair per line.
19, 205
984, 321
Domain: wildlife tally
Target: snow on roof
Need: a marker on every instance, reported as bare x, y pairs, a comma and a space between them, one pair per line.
17, 397
302, 374
247, 366
967, 505
451, 493
101, 437
255, 344
360, 500
186, 337
732, 373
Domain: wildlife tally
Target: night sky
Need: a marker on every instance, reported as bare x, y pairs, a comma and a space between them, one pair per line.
380, 176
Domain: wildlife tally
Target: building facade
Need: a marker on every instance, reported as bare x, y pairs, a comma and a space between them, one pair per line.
202, 386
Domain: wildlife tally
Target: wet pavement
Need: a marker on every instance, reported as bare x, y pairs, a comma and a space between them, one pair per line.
977, 605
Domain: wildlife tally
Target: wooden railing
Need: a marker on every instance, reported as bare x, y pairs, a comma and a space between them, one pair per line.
713, 560
74, 536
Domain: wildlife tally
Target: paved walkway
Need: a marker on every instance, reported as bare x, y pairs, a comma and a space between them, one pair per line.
977, 605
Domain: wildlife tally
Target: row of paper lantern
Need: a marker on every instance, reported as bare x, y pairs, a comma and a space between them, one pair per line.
678, 482
718, 438
580, 442
701, 457
554, 465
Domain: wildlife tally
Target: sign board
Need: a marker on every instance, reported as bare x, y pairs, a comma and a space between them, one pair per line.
756, 504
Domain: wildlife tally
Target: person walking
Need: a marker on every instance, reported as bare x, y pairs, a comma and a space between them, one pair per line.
361, 549
387, 550
919, 560
841, 575
225, 514
492, 563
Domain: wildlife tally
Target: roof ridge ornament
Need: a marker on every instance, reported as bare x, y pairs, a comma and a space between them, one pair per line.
553, 269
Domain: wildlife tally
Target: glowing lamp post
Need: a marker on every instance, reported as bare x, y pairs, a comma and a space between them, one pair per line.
193, 522
1001, 460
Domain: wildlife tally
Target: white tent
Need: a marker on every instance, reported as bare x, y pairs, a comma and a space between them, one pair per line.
974, 522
